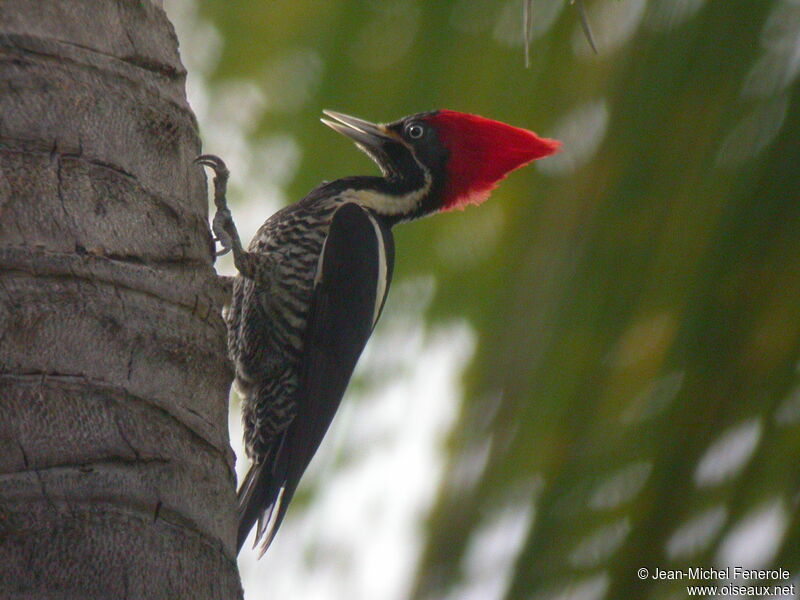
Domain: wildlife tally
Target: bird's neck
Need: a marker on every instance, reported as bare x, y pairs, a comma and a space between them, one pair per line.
394, 198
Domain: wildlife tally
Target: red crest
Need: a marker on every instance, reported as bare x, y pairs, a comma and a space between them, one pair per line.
482, 153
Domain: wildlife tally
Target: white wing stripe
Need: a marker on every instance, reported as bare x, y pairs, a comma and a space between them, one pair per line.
382, 269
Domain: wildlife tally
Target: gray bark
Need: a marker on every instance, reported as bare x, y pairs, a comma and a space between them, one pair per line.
116, 474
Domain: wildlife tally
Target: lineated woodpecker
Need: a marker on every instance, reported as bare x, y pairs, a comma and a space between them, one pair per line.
313, 281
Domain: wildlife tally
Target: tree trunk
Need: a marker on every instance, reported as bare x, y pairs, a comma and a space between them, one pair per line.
116, 474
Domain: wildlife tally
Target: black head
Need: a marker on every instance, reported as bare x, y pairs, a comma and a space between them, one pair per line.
437, 160
408, 153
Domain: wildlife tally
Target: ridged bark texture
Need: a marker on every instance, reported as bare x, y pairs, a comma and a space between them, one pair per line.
116, 474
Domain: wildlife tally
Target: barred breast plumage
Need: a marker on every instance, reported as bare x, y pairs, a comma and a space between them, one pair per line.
268, 315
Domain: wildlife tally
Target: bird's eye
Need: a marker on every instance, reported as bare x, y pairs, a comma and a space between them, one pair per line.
415, 131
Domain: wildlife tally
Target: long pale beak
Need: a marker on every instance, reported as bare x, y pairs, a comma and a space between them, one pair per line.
368, 135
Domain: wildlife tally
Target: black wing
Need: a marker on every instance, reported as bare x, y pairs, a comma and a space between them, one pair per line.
353, 277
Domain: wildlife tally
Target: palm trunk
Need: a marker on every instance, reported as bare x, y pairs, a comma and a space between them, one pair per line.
116, 475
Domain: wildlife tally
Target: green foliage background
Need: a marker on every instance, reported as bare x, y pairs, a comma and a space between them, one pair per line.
636, 305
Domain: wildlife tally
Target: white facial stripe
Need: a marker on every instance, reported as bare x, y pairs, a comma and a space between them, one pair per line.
386, 204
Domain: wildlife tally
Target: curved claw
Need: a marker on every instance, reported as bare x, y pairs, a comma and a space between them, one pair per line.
222, 225
213, 161
226, 244
225, 249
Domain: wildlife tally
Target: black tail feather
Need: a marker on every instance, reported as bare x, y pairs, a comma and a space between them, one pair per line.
264, 497
253, 500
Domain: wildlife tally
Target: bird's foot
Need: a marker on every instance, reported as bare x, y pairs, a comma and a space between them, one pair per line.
221, 175
223, 227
